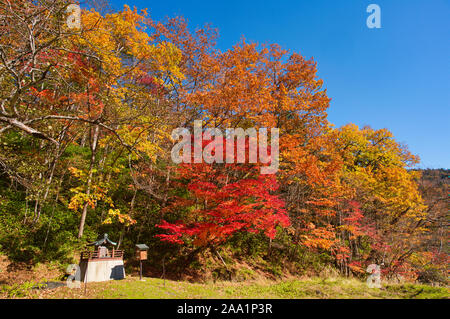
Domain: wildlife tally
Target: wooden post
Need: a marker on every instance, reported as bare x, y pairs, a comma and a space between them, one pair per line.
85, 276
140, 272
164, 271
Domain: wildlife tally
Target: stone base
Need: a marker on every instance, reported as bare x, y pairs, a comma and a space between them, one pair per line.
102, 269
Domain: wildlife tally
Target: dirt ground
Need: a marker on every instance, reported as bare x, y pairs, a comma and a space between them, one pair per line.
12, 273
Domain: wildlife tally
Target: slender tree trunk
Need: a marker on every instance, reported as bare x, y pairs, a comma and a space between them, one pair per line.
58, 153
89, 181
122, 233
26, 207
53, 212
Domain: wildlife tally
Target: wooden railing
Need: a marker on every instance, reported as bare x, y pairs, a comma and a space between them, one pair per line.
96, 254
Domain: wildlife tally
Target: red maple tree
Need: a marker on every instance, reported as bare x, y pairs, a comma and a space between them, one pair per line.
223, 199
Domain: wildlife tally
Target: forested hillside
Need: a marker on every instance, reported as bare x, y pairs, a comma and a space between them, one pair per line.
86, 120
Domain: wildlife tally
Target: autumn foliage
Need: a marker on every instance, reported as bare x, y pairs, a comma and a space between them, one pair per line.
222, 199
85, 128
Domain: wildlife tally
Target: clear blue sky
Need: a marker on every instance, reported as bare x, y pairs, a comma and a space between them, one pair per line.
396, 77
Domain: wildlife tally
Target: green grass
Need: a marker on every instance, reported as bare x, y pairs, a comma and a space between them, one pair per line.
315, 288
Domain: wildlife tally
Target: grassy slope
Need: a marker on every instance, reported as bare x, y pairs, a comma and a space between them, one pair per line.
153, 288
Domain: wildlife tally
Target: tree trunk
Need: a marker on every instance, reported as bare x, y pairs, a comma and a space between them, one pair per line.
89, 181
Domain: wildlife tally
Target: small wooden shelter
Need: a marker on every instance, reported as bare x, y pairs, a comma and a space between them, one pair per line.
102, 263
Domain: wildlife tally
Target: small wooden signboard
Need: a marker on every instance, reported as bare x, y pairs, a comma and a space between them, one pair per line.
141, 254
141, 251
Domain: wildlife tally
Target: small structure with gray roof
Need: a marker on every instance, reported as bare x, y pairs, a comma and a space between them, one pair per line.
101, 263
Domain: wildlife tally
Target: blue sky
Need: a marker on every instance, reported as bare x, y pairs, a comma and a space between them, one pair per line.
396, 77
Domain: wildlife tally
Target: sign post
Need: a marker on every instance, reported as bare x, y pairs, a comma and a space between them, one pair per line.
141, 254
